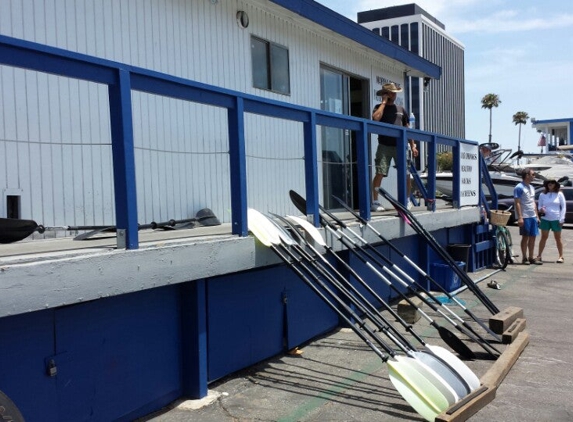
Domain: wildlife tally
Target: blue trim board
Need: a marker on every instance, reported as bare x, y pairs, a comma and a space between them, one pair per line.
341, 25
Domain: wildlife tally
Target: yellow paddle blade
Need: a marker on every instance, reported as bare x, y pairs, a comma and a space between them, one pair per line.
420, 393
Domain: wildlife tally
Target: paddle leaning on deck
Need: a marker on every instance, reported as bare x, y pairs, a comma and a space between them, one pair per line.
411, 220
13, 230
450, 367
420, 271
368, 259
422, 389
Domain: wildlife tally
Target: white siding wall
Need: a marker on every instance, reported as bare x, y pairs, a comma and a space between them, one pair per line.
55, 134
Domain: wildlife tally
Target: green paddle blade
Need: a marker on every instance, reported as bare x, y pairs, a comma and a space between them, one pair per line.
421, 394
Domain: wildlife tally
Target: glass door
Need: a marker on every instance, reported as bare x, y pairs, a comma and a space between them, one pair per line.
336, 145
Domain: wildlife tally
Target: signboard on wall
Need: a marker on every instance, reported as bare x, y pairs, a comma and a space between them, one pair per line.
469, 175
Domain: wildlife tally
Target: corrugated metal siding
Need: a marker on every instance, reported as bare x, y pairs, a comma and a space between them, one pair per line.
55, 132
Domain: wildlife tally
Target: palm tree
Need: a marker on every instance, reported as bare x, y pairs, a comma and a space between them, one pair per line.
520, 118
490, 101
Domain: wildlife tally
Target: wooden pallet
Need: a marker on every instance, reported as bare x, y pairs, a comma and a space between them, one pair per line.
478, 399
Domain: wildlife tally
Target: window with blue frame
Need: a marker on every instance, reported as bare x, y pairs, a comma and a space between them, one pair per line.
270, 66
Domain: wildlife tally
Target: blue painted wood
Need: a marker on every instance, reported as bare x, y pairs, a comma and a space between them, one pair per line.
311, 169
363, 160
26, 341
245, 315
194, 339
123, 159
117, 355
238, 168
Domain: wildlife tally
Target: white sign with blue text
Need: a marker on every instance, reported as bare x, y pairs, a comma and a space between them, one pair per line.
469, 175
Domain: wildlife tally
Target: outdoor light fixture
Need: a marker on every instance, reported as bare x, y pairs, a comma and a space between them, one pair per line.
426, 83
242, 19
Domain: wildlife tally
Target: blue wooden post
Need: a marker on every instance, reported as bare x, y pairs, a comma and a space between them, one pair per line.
402, 167
364, 183
311, 170
123, 161
194, 339
238, 166
431, 180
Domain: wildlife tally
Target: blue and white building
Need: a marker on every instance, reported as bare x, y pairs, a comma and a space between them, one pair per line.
125, 112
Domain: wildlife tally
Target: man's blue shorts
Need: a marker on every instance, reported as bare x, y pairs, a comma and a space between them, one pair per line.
530, 227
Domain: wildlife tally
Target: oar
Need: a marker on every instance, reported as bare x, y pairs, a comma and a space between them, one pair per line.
13, 230
444, 357
415, 224
425, 397
359, 251
417, 268
390, 263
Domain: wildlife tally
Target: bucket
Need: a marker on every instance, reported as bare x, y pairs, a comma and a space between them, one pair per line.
460, 252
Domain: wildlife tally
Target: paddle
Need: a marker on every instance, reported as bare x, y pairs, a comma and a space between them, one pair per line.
13, 230
407, 375
415, 266
435, 356
353, 247
415, 224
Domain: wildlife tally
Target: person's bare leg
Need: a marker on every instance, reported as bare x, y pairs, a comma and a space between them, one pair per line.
559, 243
531, 246
524, 243
542, 242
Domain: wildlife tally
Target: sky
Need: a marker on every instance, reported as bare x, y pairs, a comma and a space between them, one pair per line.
520, 50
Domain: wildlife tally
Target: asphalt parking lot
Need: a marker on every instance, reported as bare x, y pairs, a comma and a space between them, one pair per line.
338, 378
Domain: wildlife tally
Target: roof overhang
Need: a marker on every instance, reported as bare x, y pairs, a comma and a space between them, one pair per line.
413, 64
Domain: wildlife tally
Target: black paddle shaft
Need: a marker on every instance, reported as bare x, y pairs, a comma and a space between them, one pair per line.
417, 268
415, 224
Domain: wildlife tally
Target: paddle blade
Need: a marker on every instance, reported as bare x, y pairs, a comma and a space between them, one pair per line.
457, 365
422, 395
455, 343
13, 229
206, 217
298, 201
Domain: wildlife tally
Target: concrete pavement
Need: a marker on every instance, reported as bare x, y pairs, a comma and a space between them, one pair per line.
338, 378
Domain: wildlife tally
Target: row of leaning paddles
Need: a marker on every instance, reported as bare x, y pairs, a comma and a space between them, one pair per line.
431, 379
14, 230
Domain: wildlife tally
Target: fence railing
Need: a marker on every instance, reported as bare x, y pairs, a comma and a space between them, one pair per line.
122, 79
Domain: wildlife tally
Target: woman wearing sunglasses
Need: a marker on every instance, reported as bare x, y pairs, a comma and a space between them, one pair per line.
551, 208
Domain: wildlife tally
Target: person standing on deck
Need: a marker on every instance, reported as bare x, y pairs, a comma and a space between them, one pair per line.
388, 112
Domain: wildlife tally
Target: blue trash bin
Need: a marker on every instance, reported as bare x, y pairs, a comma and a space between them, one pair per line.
445, 276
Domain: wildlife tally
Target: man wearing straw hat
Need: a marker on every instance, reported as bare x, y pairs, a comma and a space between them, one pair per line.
388, 112
527, 216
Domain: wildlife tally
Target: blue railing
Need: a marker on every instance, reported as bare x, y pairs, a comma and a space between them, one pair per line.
122, 79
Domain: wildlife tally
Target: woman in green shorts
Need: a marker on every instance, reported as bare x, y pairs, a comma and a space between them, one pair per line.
551, 206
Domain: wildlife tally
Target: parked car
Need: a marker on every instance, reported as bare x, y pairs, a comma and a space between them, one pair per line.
507, 204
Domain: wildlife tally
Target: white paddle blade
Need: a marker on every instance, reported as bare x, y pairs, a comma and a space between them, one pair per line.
434, 378
445, 371
309, 228
258, 226
457, 365
420, 393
